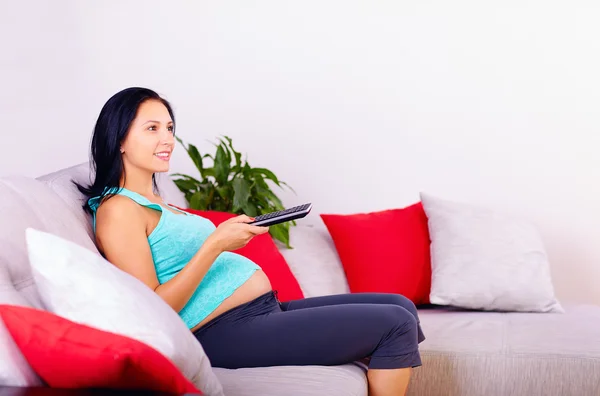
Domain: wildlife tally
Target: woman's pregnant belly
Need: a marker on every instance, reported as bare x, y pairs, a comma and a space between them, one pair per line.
257, 285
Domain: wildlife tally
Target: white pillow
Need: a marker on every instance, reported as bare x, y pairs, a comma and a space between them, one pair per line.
82, 286
482, 259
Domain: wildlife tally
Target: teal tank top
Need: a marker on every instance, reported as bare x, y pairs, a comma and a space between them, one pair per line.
173, 243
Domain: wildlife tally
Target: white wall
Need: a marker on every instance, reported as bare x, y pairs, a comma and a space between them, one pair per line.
358, 105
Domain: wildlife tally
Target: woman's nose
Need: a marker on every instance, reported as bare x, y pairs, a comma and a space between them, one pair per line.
167, 137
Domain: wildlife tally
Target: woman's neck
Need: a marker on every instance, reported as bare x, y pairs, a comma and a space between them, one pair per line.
139, 183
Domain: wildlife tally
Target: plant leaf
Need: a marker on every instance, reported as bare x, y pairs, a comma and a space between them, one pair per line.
199, 201
180, 142
209, 172
241, 193
222, 166
236, 187
267, 174
270, 197
225, 192
226, 150
250, 209
219, 205
237, 155
281, 233
260, 182
196, 157
194, 154
190, 178
185, 185
288, 186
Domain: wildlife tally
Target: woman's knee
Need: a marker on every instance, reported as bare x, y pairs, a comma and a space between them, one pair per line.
401, 301
398, 318
408, 317
399, 344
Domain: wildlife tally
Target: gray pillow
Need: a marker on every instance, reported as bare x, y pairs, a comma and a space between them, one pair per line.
486, 260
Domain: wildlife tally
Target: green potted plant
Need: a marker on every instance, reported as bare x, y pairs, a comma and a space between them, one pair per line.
232, 185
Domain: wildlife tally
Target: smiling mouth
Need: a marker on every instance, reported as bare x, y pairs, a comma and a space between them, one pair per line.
163, 155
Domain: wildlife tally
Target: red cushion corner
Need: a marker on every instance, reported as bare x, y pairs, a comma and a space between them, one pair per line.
386, 251
66, 354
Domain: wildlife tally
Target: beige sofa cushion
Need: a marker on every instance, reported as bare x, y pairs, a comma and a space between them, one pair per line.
24, 203
484, 259
314, 261
61, 183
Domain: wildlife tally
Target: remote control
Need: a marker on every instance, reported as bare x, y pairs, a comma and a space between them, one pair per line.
282, 216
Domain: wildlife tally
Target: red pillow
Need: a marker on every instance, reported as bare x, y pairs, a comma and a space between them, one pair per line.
263, 251
66, 354
385, 251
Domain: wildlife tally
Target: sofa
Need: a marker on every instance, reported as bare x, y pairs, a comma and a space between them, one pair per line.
467, 352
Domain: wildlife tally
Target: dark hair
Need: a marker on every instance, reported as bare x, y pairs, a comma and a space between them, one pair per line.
111, 129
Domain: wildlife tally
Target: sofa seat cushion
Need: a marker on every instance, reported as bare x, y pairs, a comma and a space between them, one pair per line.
345, 380
492, 353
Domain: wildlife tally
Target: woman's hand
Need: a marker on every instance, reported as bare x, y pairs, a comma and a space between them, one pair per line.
235, 233
239, 219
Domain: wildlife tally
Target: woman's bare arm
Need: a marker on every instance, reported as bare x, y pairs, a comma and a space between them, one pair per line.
121, 236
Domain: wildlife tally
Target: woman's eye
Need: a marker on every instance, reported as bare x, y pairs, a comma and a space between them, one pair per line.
171, 129
152, 128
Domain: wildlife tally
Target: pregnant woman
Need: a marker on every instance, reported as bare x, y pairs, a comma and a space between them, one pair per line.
225, 299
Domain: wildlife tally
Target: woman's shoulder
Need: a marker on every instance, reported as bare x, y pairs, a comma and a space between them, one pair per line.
118, 209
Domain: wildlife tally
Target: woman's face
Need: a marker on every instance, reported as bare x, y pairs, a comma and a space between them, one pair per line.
150, 140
